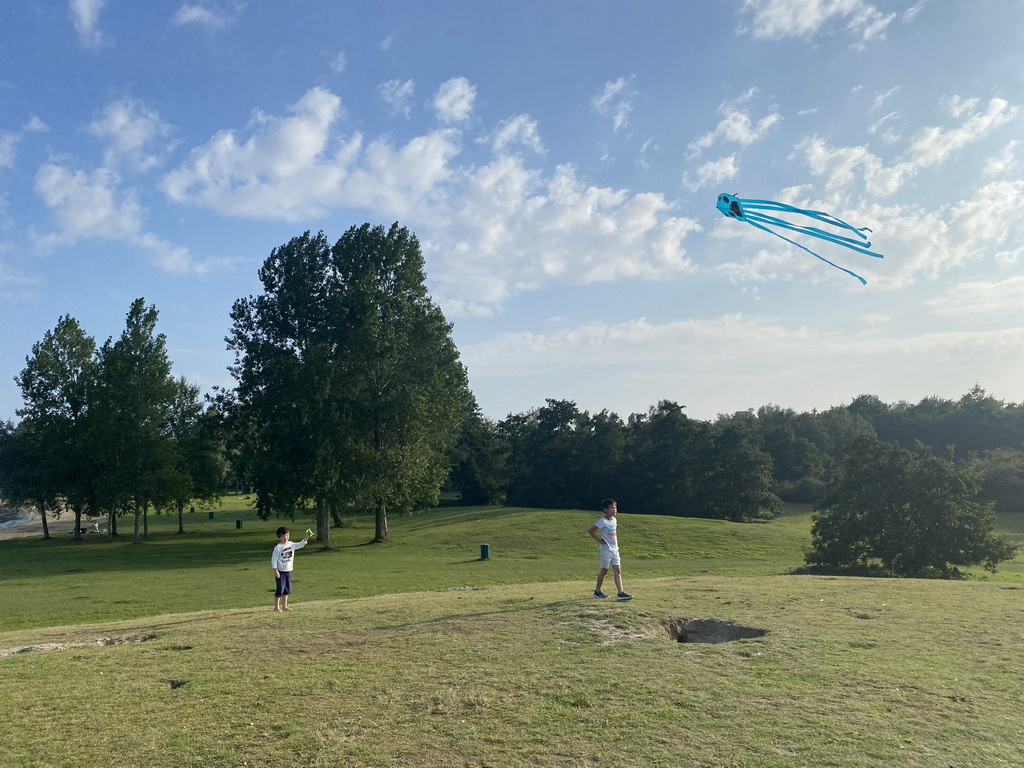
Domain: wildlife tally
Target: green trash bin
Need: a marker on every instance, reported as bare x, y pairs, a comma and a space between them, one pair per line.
485, 551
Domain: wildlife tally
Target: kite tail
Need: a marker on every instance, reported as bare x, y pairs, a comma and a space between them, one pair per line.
826, 218
860, 246
841, 269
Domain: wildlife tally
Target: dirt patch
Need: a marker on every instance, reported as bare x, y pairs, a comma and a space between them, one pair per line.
614, 635
709, 631
99, 641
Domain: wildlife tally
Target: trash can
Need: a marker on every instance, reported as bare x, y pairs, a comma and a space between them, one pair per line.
485, 551
238, 523
211, 515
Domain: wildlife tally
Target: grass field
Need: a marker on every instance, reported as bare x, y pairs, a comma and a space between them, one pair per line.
416, 653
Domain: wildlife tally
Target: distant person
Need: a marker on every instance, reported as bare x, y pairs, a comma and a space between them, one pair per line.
283, 561
603, 532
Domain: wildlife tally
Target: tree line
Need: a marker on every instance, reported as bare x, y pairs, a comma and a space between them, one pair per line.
350, 394
560, 456
108, 431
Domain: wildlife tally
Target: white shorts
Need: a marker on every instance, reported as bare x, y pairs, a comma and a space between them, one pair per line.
609, 557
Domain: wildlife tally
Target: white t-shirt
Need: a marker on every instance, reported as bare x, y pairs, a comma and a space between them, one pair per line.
283, 558
607, 528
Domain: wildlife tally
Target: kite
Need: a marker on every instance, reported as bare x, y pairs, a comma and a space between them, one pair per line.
750, 212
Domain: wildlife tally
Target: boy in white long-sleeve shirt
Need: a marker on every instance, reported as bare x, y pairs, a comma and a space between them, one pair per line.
283, 561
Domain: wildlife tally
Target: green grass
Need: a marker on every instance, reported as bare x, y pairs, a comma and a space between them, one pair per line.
216, 566
418, 654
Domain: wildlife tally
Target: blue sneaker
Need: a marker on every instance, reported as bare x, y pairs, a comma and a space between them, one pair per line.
624, 596
599, 593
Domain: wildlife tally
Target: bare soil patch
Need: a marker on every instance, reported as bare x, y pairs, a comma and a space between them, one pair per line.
709, 631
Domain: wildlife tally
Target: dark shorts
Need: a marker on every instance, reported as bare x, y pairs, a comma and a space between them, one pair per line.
284, 584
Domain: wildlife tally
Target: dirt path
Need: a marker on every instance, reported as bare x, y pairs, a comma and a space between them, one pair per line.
33, 526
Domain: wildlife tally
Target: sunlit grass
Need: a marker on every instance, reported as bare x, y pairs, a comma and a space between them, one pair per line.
417, 653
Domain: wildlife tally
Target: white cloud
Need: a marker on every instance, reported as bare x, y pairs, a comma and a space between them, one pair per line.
615, 101
736, 126
704, 363
778, 19
201, 15
512, 229
713, 173
87, 204
891, 134
131, 128
980, 298
91, 205
398, 96
934, 145
339, 62
648, 146
85, 15
911, 13
8, 140
494, 230
453, 102
1006, 162
386, 43
519, 129
282, 170
883, 96
845, 167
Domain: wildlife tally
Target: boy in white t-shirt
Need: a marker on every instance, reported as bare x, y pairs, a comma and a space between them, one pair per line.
604, 533
283, 561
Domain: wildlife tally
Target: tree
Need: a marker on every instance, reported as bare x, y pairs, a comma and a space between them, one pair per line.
666, 461
1002, 478
130, 419
283, 417
349, 385
405, 392
480, 461
914, 512
738, 484
24, 480
198, 455
57, 386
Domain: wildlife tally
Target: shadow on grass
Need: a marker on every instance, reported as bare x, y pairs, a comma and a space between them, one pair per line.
518, 608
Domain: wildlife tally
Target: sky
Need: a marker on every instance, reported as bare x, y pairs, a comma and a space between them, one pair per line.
559, 163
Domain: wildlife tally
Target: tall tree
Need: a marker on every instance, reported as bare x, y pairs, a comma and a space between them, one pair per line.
349, 385
130, 419
284, 416
406, 393
57, 386
198, 454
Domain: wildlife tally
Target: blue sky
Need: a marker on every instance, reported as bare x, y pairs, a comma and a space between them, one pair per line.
559, 162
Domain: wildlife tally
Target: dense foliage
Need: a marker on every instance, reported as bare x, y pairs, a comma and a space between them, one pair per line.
109, 430
350, 389
913, 512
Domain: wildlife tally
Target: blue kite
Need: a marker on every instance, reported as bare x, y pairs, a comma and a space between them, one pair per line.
749, 211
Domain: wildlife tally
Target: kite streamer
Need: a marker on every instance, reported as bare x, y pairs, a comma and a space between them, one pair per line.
750, 212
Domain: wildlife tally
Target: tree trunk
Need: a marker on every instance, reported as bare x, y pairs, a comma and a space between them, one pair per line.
78, 521
145, 519
138, 516
323, 522
382, 522
111, 528
42, 514
181, 517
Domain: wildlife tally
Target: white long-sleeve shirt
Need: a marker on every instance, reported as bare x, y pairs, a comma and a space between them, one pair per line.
283, 558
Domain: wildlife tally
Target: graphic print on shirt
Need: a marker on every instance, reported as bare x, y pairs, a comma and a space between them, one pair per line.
287, 553
607, 528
